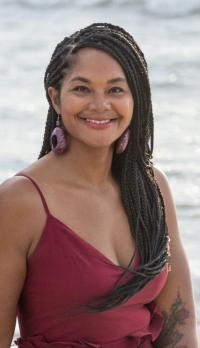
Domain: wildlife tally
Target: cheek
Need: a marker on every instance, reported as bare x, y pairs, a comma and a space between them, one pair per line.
127, 107
131, 105
71, 106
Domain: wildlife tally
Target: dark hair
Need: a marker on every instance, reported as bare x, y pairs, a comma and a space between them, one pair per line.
132, 169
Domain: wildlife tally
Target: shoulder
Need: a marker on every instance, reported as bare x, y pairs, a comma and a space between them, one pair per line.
169, 203
165, 189
16, 192
176, 245
161, 178
19, 207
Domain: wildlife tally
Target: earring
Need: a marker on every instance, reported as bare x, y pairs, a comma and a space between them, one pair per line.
122, 142
59, 140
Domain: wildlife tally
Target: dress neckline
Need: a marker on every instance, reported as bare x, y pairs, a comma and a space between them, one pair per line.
135, 257
134, 261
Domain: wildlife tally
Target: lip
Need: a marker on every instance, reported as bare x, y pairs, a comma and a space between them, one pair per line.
97, 118
97, 125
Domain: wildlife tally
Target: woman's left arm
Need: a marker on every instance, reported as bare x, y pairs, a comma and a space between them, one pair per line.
176, 299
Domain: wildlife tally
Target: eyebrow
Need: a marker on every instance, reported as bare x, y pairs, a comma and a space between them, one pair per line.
83, 79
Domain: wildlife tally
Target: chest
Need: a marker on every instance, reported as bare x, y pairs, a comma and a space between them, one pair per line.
99, 219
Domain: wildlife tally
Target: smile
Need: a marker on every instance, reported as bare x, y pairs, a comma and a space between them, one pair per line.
97, 121
94, 123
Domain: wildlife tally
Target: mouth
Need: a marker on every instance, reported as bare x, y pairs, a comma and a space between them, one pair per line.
97, 120
97, 123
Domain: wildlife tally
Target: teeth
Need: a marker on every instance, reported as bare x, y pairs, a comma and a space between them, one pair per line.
97, 121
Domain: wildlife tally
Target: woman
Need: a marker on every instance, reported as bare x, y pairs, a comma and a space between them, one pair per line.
85, 230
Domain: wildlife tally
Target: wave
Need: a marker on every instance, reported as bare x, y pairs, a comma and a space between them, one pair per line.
170, 8
173, 8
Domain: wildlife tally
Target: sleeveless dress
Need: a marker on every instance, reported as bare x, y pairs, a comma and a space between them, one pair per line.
65, 271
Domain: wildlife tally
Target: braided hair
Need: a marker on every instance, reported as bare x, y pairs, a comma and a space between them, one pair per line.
132, 169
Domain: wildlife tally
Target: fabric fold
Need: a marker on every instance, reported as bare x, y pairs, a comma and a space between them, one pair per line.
155, 325
39, 341
141, 338
157, 320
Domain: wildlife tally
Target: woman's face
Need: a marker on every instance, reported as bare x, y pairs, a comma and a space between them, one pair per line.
95, 102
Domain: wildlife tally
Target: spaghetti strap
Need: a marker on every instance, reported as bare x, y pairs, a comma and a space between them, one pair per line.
38, 189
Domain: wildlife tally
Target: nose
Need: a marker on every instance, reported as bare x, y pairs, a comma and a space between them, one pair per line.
99, 102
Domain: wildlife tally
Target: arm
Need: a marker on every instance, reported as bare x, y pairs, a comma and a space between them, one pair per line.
176, 299
14, 245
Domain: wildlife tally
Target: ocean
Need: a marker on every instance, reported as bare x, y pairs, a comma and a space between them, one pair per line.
168, 31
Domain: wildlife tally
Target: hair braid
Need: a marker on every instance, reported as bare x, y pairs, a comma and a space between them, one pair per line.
50, 125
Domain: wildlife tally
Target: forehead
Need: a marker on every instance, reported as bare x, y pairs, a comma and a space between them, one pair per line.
90, 61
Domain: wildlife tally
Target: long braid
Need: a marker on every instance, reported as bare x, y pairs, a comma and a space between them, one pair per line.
53, 77
50, 125
132, 169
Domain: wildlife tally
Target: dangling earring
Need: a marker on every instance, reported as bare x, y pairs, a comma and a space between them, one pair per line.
59, 140
122, 142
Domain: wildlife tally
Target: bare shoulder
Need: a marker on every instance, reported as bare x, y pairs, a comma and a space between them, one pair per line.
161, 178
164, 185
167, 194
19, 205
16, 192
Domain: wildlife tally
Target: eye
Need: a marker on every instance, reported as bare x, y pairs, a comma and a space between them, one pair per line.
116, 90
82, 89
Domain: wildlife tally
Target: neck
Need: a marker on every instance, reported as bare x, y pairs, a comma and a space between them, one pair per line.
85, 166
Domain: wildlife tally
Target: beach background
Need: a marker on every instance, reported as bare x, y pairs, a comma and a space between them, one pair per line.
168, 32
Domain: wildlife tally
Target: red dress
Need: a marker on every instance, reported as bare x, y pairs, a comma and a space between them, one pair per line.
64, 272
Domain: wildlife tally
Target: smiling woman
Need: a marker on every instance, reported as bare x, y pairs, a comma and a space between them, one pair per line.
85, 229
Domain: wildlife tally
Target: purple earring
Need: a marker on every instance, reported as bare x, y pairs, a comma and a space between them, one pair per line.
59, 140
122, 142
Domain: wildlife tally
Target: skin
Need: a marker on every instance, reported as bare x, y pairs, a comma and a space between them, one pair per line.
86, 188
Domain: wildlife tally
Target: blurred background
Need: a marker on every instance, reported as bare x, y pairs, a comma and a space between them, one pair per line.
168, 31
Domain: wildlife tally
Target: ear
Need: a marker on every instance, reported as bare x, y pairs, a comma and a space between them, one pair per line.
53, 95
